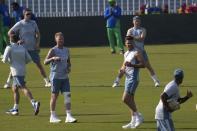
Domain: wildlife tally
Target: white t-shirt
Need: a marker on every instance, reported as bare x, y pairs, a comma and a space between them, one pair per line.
27, 32
17, 56
129, 56
172, 90
137, 32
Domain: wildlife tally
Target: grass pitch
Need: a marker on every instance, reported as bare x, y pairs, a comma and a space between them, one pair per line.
95, 104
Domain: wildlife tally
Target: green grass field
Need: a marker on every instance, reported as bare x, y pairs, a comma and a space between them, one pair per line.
95, 104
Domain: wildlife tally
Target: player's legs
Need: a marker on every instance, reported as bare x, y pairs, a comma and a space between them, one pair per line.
152, 73
36, 59
55, 89
14, 110
111, 38
150, 69
67, 100
119, 42
129, 100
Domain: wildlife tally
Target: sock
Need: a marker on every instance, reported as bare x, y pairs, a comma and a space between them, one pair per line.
53, 113
15, 106
154, 77
135, 113
68, 113
117, 79
32, 102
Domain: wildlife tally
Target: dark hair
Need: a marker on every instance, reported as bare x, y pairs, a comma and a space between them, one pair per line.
14, 38
128, 38
15, 4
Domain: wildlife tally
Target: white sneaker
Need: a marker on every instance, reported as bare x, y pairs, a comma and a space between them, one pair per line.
54, 119
157, 84
115, 84
36, 107
131, 125
47, 84
13, 112
7, 85
70, 119
139, 120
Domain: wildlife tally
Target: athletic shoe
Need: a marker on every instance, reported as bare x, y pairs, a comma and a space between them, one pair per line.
70, 119
157, 84
130, 125
36, 107
47, 84
139, 120
7, 85
115, 84
13, 112
54, 119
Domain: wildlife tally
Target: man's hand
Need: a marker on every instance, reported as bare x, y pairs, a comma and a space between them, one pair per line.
128, 64
189, 94
56, 58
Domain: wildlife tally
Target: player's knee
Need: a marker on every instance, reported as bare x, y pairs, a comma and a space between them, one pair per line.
67, 97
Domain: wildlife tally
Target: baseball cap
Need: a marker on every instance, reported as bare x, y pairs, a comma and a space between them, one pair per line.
136, 18
178, 73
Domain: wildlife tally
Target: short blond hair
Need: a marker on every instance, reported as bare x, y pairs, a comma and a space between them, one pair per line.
58, 34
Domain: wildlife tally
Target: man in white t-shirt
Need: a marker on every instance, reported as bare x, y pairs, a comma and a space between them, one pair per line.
171, 92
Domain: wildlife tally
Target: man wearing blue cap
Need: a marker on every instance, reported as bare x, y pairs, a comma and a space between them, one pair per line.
112, 16
171, 92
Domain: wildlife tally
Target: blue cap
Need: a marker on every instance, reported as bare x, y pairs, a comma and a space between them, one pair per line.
178, 73
136, 18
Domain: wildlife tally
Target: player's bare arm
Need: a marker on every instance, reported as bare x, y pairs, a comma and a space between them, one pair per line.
184, 99
69, 65
37, 40
164, 98
50, 57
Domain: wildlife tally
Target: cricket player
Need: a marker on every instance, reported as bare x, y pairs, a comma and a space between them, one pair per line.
112, 16
139, 34
133, 60
17, 56
60, 66
163, 110
29, 34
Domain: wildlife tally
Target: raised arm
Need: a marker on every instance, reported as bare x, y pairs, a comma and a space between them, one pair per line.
184, 99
